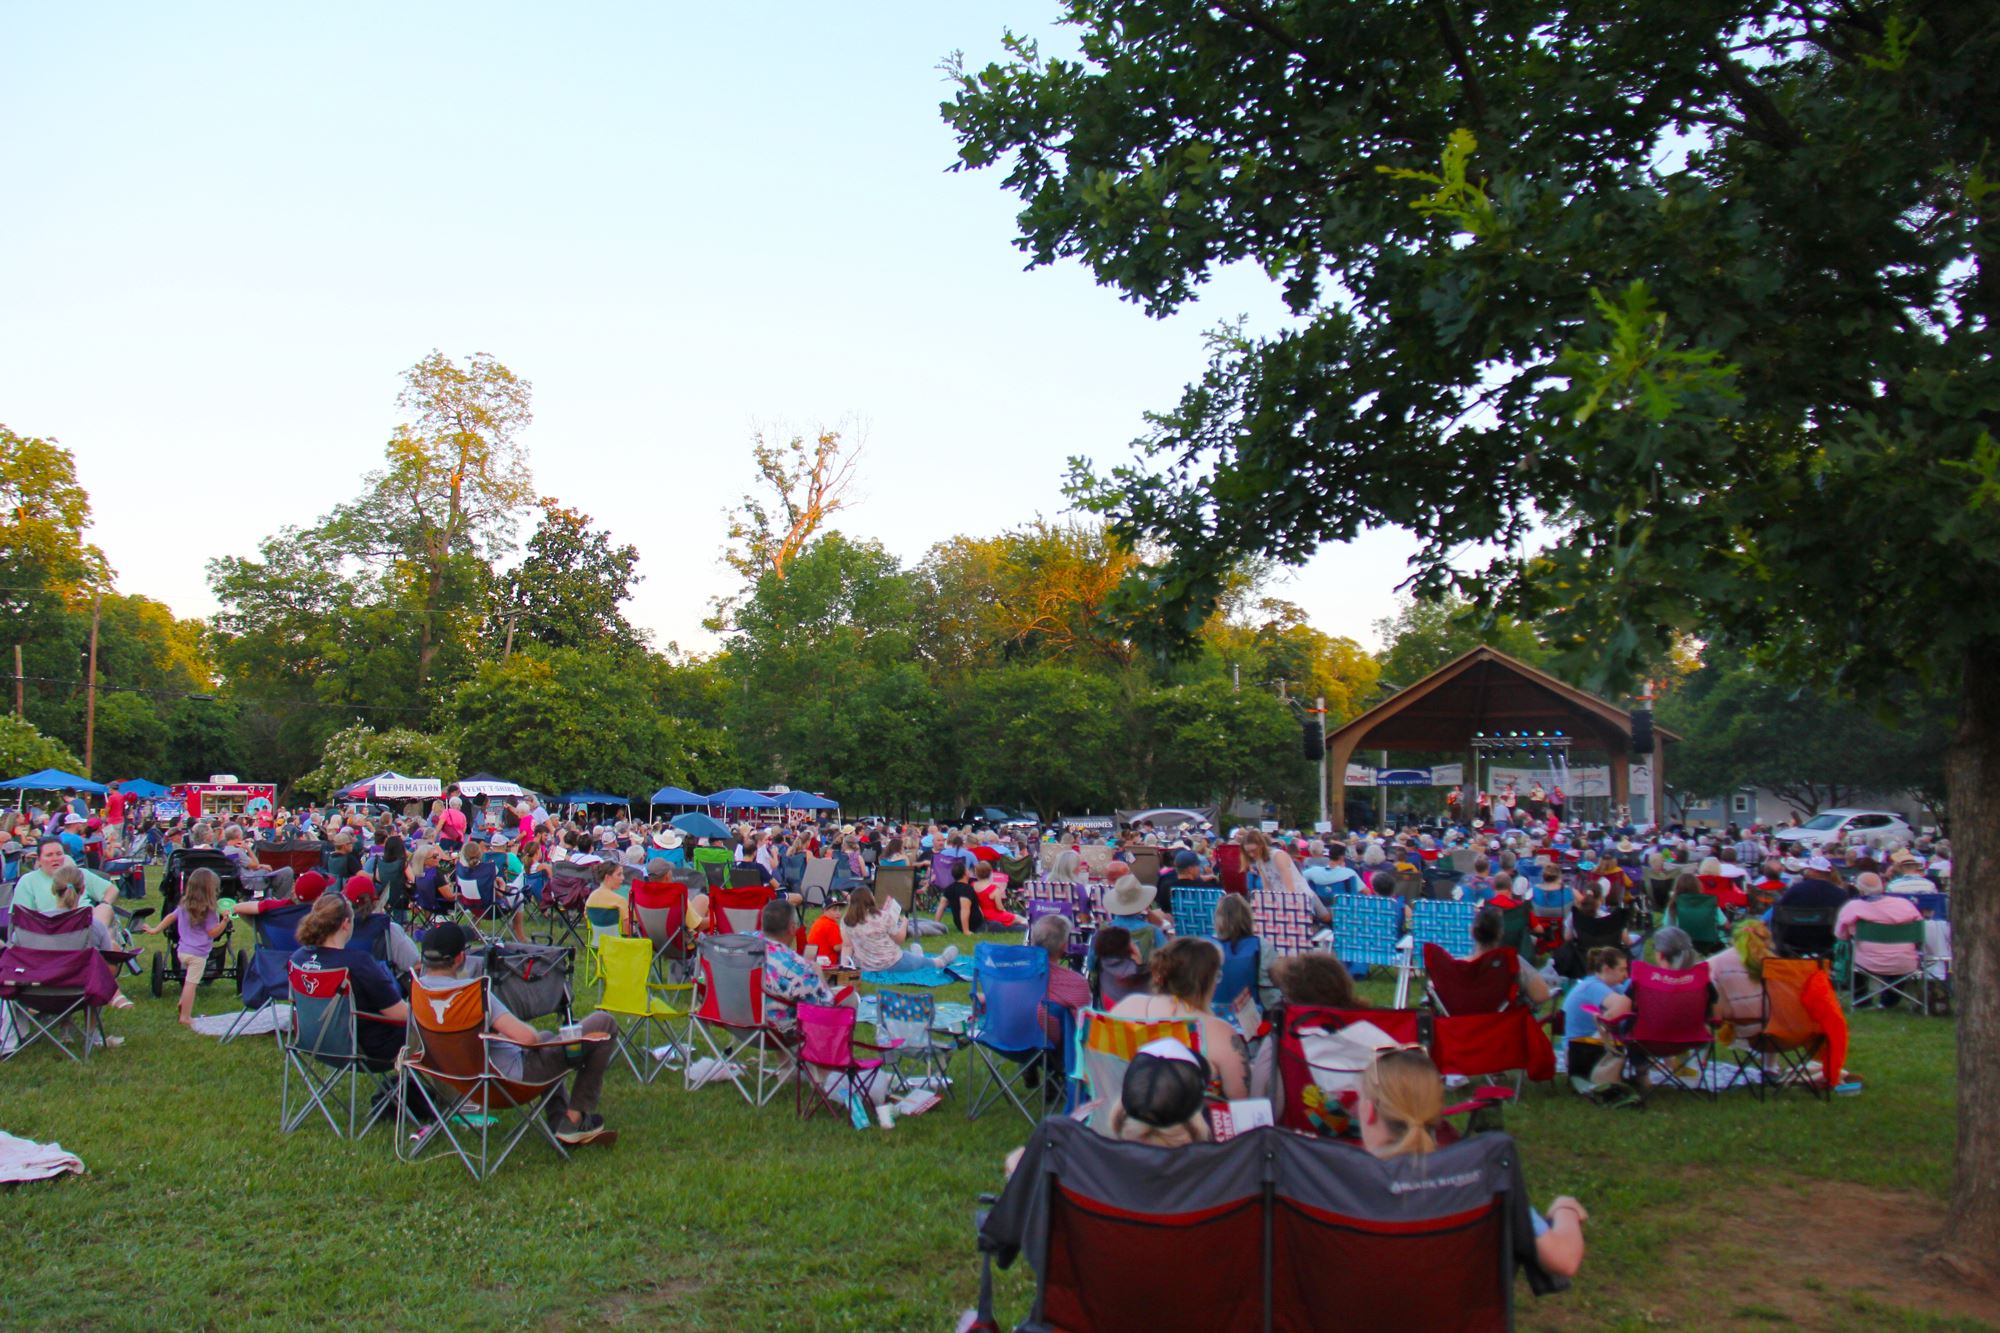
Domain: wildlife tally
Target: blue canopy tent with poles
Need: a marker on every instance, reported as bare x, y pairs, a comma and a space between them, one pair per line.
674, 796
805, 800
741, 798
593, 798
51, 779
139, 787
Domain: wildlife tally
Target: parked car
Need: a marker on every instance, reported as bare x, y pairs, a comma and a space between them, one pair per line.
997, 816
1827, 825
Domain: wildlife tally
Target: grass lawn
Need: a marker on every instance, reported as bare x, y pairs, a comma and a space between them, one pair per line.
709, 1214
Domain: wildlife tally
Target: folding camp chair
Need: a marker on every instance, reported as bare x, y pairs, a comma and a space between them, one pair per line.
738, 911
563, 899
1010, 1043
1441, 922
428, 905
898, 883
659, 910
1791, 1037
50, 978
1285, 923
1106, 1045
1699, 915
817, 883
1145, 862
448, 1061
729, 1018
1367, 931
1310, 1076
827, 1071
1669, 1025
603, 923
1913, 985
712, 863
1484, 1026
648, 1018
1270, 1230
322, 1045
1229, 868
1194, 909
269, 980
908, 1021
478, 904
1803, 932
531, 980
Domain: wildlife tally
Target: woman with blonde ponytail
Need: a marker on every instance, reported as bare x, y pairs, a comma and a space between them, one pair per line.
1402, 1106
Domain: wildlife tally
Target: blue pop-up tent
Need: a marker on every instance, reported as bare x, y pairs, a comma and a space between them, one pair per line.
591, 798
741, 798
678, 796
805, 800
141, 788
54, 779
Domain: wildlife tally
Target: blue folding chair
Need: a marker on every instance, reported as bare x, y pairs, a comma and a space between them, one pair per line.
1443, 922
1194, 908
1367, 931
1014, 1057
268, 982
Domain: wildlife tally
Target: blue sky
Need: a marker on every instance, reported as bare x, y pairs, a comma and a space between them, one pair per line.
229, 228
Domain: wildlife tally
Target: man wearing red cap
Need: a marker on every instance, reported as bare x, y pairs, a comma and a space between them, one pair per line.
374, 931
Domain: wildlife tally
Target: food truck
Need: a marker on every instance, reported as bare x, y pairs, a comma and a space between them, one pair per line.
224, 796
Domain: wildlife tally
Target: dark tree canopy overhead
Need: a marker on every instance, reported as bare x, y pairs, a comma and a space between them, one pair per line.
1685, 309
1691, 299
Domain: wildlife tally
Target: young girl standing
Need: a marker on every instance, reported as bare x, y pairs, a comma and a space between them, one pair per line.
196, 925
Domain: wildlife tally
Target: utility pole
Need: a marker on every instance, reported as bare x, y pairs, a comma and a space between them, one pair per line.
20, 686
508, 651
1319, 707
90, 691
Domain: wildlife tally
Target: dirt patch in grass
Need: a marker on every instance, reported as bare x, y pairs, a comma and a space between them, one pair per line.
1818, 1254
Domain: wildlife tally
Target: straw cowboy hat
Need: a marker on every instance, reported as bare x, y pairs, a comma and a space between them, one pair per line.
1129, 897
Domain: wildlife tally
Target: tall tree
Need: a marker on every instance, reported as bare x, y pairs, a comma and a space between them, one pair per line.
451, 494
569, 587
801, 484
1687, 312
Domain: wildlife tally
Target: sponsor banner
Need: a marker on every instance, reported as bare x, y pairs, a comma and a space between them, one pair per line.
1594, 780
407, 788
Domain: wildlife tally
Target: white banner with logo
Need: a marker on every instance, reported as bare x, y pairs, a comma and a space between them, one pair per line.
407, 788
1592, 781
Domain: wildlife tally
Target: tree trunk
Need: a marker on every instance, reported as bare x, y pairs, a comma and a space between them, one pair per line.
1972, 776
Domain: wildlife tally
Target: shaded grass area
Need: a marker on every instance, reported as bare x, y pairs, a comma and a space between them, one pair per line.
709, 1214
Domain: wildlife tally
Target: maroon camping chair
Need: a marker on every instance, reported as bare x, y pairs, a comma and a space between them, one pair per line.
1484, 1028
50, 977
1270, 1230
1670, 1024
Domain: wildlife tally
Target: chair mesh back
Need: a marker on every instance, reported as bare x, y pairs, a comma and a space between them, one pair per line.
740, 910
826, 1035
1366, 929
898, 883
1285, 923
1669, 1005
905, 1016
1009, 983
1483, 985
532, 980
1444, 923
732, 969
1194, 908
322, 1012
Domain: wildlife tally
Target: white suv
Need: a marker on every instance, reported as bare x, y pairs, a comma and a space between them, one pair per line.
1877, 826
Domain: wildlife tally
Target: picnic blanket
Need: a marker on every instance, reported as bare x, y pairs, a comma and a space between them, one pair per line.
957, 974
264, 1021
24, 1159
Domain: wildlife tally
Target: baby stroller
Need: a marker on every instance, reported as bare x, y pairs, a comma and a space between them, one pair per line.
167, 968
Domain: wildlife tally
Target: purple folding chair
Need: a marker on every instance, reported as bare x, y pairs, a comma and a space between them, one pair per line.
49, 975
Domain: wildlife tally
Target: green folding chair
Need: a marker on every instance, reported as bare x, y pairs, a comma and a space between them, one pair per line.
1700, 916
1914, 985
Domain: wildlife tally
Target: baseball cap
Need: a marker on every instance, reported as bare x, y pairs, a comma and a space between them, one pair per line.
443, 943
1164, 1084
310, 886
358, 888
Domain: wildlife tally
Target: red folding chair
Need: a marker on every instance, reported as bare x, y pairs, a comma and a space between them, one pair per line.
738, 910
827, 1051
1670, 1025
